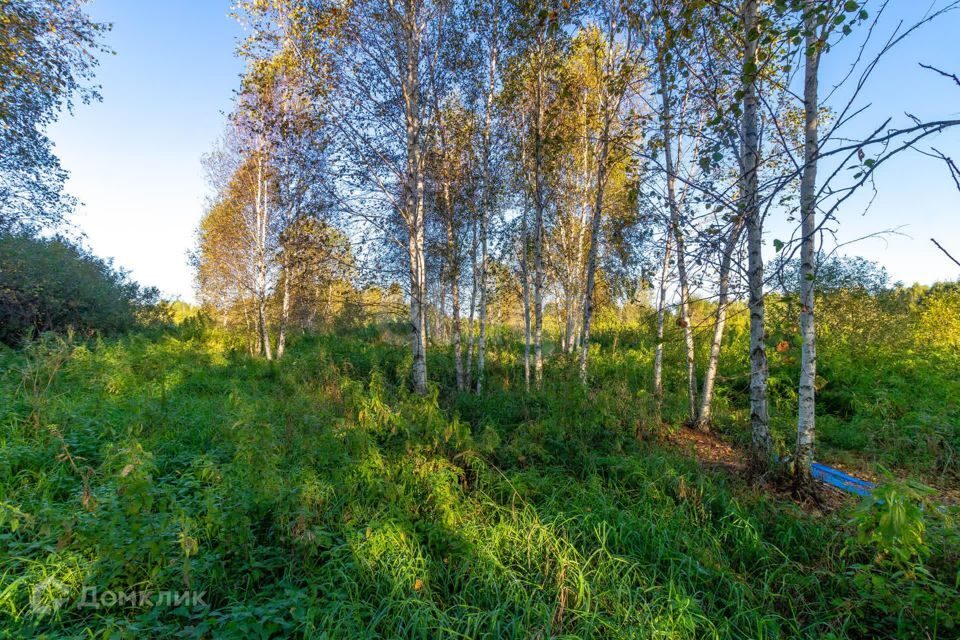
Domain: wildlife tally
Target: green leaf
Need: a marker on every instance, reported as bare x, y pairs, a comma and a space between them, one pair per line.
778, 245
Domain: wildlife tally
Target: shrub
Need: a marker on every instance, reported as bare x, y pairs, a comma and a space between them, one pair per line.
51, 284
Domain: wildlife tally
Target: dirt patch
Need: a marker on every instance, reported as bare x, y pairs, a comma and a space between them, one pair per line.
713, 452
829, 499
709, 449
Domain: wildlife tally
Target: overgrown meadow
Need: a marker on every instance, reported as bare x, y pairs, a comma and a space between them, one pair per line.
316, 497
285, 462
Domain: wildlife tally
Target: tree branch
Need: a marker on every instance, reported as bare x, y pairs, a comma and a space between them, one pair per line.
947, 253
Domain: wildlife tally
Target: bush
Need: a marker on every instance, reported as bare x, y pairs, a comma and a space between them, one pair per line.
52, 284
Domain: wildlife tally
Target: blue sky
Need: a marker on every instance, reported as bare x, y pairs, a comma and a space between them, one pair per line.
134, 159
915, 194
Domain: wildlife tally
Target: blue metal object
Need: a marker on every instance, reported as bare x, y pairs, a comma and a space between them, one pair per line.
841, 480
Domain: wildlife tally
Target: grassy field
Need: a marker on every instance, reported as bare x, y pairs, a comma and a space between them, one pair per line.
316, 498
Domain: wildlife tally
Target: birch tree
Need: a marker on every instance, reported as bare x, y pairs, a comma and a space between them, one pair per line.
449, 168
539, 53
536, 32
720, 320
815, 37
670, 162
761, 442
375, 56
819, 18
615, 65
237, 235
661, 317
492, 38
678, 117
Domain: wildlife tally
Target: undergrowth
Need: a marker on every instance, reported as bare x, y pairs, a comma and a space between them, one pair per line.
316, 498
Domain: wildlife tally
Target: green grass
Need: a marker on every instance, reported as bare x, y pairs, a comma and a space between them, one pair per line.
317, 498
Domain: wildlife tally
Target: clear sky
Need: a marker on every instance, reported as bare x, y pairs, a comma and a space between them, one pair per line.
134, 159
914, 192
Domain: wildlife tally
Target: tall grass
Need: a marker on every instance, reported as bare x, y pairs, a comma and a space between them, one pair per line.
316, 497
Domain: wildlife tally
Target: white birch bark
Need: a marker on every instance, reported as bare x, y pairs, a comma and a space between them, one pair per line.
661, 312
284, 315
761, 444
603, 151
488, 194
413, 200
418, 315
525, 273
592, 254
264, 331
806, 415
260, 215
675, 227
713, 364
538, 231
525, 269
471, 337
454, 289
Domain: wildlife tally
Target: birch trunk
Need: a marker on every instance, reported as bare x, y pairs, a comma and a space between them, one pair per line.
454, 289
594, 236
591, 277
661, 312
418, 315
761, 444
264, 332
578, 269
261, 248
413, 205
525, 272
471, 338
538, 226
525, 269
253, 331
487, 197
710, 376
677, 231
609, 99
284, 315
482, 338
806, 418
